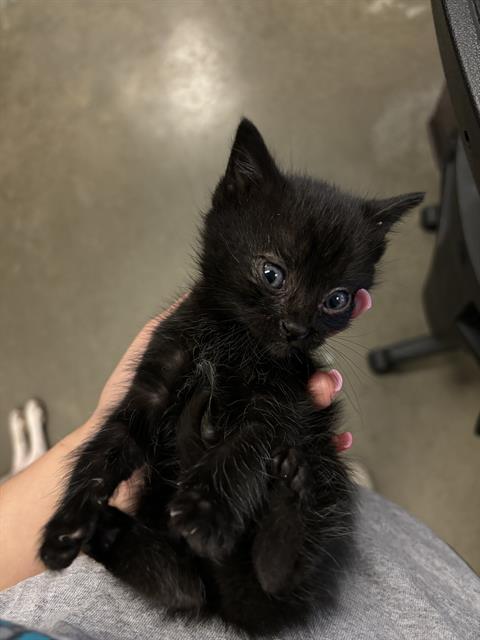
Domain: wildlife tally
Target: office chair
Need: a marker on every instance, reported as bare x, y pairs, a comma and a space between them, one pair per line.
451, 294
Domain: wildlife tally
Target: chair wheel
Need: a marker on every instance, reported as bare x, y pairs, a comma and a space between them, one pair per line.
430, 218
380, 361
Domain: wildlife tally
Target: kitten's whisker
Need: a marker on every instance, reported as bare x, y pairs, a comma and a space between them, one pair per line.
363, 370
360, 369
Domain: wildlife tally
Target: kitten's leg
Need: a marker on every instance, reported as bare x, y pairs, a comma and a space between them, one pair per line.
256, 583
122, 445
108, 458
278, 543
143, 557
304, 541
222, 491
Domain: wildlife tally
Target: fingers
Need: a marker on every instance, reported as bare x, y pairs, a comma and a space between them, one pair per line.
324, 386
342, 441
363, 302
127, 493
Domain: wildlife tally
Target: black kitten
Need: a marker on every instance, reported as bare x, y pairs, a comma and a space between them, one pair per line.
247, 508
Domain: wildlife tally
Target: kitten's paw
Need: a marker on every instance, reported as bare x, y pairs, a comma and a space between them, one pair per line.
289, 466
206, 524
61, 544
72, 526
111, 521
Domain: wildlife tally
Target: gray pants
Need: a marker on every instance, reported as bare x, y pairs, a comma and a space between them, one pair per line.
406, 584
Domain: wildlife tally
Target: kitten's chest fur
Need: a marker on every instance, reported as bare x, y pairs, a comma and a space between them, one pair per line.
241, 384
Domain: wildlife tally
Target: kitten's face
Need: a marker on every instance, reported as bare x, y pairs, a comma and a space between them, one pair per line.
286, 254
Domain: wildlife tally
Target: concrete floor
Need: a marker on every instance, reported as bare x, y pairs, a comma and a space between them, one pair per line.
115, 121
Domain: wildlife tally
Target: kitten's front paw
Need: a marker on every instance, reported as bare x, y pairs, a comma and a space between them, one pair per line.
61, 544
289, 466
72, 525
205, 521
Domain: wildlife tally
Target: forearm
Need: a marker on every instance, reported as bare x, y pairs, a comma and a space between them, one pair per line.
27, 501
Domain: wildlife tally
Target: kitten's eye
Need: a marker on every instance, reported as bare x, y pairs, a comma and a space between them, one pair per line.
337, 301
273, 275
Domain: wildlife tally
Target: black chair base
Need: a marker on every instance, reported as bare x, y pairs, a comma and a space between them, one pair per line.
391, 358
430, 218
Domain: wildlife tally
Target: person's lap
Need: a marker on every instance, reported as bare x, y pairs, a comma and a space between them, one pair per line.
406, 583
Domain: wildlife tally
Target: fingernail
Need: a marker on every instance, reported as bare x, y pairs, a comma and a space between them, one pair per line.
364, 299
342, 441
369, 300
337, 380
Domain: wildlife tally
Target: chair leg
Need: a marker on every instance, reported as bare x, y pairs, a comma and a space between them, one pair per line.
388, 358
430, 218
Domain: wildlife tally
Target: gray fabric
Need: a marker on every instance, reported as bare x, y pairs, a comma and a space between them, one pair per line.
406, 584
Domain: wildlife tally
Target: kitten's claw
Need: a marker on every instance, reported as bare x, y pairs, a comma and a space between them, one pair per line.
74, 535
288, 466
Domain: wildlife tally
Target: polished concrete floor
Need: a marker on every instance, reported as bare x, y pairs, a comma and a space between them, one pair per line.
115, 120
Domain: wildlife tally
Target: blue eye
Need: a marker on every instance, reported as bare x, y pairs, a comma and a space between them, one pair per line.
337, 301
273, 275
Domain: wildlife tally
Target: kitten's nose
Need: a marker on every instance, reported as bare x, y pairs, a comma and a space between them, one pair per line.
293, 330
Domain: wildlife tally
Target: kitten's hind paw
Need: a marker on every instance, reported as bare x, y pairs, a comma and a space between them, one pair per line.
61, 545
111, 521
207, 525
289, 466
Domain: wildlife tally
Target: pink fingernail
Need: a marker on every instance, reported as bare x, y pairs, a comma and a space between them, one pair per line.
363, 302
337, 380
343, 441
368, 299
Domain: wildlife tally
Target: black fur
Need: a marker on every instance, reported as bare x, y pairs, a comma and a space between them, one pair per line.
247, 510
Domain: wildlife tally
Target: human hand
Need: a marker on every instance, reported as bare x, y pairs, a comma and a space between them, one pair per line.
324, 386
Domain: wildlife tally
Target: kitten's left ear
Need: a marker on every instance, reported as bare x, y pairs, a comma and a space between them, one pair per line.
250, 164
386, 212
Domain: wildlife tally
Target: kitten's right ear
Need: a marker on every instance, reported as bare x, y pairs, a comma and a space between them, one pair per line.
250, 164
386, 212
